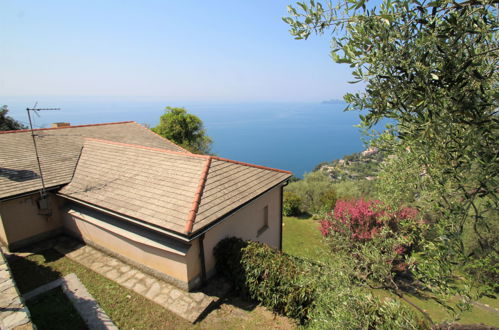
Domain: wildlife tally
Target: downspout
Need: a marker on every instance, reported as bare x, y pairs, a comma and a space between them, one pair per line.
201, 256
280, 215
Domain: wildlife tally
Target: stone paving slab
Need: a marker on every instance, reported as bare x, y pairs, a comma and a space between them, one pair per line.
188, 305
90, 311
13, 313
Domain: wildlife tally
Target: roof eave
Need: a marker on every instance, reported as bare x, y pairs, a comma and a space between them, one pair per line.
210, 225
179, 235
31, 192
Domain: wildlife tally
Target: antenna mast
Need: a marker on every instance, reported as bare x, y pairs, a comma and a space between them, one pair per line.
35, 110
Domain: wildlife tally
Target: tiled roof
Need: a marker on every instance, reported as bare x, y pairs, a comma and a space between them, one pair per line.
177, 191
59, 149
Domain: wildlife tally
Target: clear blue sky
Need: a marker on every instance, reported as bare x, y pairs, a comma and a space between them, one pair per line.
152, 50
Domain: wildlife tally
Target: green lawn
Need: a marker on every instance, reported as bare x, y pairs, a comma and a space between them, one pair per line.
302, 238
127, 309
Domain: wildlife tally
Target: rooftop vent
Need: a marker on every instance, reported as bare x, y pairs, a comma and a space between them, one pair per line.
54, 125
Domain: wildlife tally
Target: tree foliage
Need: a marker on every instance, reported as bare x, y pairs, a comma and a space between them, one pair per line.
320, 296
185, 129
8, 123
431, 68
317, 192
291, 204
314, 191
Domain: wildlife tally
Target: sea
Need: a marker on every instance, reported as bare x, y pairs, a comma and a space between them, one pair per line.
290, 136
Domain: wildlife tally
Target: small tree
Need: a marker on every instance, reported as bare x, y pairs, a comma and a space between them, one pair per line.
185, 129
328, 199
8, 123
291, 204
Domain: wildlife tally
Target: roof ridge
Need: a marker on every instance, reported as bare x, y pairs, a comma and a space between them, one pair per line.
52, 128
187, 153
138, 146
153, 132
251, 165
197, 197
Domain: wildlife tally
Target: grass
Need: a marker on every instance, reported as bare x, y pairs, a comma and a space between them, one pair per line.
53, 310
129, 310
302, 238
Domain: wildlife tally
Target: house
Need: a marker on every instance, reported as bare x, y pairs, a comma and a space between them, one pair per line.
135, 195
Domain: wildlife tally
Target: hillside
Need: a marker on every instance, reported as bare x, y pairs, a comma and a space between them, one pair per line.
357, 166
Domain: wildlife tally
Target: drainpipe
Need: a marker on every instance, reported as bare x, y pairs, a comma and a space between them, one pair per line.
280, 215
201, 256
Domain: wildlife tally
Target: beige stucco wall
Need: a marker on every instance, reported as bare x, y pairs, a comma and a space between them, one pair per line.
172, 265
3, 235
22, 223
192, 260
245, 224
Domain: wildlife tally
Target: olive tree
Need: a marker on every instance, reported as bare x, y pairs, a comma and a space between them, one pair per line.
431, 68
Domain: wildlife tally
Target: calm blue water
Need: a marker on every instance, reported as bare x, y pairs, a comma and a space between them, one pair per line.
291, 136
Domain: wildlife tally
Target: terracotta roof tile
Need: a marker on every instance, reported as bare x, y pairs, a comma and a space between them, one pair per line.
177, 191
59, 150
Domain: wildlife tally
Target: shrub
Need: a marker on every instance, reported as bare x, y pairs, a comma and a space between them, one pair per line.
228, 254
364, 219
278, 281
310, 191
291, 204
350, 307
325, 297
378, 237
328, 199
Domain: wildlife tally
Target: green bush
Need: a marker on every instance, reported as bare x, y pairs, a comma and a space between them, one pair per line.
310, 191
328, 200
291, 204
323, 297
228, 254
318, 192
344, 307
278, 281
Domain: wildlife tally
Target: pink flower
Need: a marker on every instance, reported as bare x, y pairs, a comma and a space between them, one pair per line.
364, 218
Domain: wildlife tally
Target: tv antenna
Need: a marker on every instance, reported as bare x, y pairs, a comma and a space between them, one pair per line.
35, 110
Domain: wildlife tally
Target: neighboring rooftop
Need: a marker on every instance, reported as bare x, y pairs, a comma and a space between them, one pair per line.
177, 191
59, 149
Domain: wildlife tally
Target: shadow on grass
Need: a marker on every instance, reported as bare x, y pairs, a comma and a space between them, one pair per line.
220, 288
29, 274
303, 216
61, 307
53, 310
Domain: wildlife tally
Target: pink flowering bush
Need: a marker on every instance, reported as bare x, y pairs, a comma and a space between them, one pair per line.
364, 219
354, 223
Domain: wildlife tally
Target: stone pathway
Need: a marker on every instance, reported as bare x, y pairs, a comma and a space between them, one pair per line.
88, 308
189, 305
13, 313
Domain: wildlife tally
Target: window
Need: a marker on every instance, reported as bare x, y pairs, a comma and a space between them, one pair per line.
265, 222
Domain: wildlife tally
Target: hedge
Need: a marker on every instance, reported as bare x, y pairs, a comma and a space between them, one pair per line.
317, 295
281, 282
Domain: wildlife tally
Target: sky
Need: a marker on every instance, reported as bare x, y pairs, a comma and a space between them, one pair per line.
199, 51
